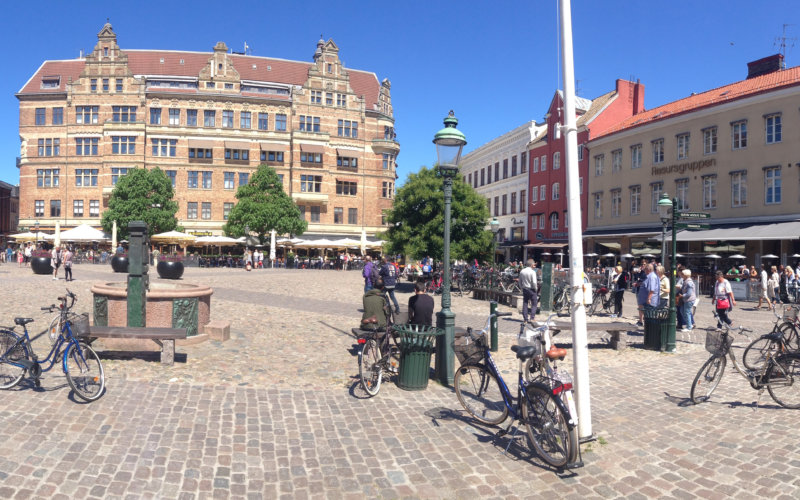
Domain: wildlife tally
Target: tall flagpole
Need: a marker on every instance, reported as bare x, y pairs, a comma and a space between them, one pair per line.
579, 341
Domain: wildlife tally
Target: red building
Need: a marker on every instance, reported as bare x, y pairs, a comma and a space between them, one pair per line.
547, 173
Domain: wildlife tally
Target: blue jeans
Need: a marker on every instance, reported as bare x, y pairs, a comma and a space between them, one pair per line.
367, 287
390, 291
686, 314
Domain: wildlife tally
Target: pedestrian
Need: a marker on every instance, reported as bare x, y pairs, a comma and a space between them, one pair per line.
68, 264
652, 286
55, 260
619, 282
663, 295
367, 274
688, 297
420, 306
374, 307
641, 293
765, 286
723, 299
528, 281
20, 256
28, 252
389, 274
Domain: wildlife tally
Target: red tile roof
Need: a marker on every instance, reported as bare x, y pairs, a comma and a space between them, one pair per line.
739, 90
148, 62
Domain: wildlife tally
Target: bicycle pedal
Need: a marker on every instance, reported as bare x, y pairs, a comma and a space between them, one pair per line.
575, 465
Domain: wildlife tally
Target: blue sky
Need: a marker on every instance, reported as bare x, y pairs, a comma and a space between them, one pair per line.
495, 63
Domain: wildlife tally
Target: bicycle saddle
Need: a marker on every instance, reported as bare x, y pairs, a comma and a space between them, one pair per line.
373, 319
524, 352
23, 321
556, 352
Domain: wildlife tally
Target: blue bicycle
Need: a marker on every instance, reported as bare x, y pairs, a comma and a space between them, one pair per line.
80, 363
544, 395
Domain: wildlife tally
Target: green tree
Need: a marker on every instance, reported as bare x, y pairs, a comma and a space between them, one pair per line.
417, 219
263, 206
144, 195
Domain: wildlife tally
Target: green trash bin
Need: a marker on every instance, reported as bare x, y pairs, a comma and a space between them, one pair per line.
416, 347
655, 326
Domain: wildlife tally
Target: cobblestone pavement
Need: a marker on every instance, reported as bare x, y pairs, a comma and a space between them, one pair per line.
276, 412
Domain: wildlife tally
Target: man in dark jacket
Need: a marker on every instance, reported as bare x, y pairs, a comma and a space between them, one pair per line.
420, 306
374, 307
388, 273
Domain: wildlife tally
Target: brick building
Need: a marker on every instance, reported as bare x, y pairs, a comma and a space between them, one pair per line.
9, 209
208, 120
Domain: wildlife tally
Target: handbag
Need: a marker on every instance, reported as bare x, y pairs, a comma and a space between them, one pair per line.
723, 303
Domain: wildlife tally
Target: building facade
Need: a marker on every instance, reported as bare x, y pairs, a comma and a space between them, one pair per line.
208, 120
9, 210
732, 152
498, 170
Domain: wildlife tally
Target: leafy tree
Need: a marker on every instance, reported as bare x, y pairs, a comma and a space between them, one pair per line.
417, 219
263, 206
144, 195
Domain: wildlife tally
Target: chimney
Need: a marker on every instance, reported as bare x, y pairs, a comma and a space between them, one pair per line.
766, 65
638, 97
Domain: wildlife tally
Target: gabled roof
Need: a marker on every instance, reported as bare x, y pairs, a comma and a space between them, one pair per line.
721, 95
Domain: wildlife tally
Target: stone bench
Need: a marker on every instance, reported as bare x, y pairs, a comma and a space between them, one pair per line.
506, 298
164, 337
617, 329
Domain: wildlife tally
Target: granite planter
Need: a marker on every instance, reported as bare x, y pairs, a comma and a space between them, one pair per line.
41, 265
170, 270
119, 263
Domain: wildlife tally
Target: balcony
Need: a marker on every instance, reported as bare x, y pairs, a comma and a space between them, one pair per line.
381, 145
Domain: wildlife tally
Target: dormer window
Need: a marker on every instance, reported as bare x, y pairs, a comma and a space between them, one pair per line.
330, 68
51, 82
105, 51
219, 66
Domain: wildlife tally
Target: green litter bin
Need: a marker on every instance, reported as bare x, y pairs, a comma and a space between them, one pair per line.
416, 347
655, 326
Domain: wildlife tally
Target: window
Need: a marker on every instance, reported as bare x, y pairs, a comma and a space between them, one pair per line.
228, 86
709, 191
598, 165
683, 146
598, 205
205, 210
556, 189
497, 171
226, 210
543, 163
93, 84
272, 156
311, 183
38, 208
346, 188
541, 221
123, 114
352, 216
86, 177
682, 190
658, 150
123, 145
656, 189
387, 189
739, 189
616, 160
163, 147
556, 160
87, 114
309, 123
155, 116
739, 134
280, 122
263, 121
316, 97
47, 177
227, 118
116, 173
119, 85
302, 209
534, 194
709, 140
191, 117
49, 147
341, 100
105, 80
636, 200
311, 157
77, 208
513, 165
237, 154
347, 128
496, 205
489, 174
616, 202
201, 153
345, 162
94, 208
209, 118
329, 98
773, 125
505, 168
636, 156
523, 162
338, 215
388, 161
314, 213
554, 221
483, 176
542, 193
207, 179
191, 210
772, 185
58, 116
174, 116
580, 185
244, 178
229, 179
504, 204
172, 175
536, 164
192, 177
40, 116
475, 180
55, 208
522, 207
51, 82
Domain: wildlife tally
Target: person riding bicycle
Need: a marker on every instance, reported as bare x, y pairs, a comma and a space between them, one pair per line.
375, 307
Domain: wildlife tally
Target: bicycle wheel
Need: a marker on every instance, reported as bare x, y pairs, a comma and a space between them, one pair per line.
783, 380
479, 394
608, 304
593, 307
791, 336
11, 350
369, 367
707, 379
84, 372
547, 427
757, 353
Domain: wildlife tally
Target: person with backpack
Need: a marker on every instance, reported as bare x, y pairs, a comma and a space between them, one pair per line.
388, 272
370, 273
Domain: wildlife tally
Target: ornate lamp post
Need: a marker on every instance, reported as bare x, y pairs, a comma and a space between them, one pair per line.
495, 226
449, 143
668, 212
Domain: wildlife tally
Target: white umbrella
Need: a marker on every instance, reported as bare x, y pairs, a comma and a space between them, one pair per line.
737, 256
29, 236
609, 254
57, 234
796, 255
713, 256
590, 254
82, 233
649, 256
173, 237
679, 255
769, 256
546, 253
627, 256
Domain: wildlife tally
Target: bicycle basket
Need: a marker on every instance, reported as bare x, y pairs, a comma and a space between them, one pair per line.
717, 342
80, 324
468, 350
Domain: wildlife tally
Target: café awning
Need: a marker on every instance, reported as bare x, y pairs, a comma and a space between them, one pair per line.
744, 232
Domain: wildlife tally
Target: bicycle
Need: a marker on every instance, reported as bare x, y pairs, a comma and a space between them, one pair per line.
561, 298
379, 353
81, 365
783, 339
601, 299
778, 372
550, 422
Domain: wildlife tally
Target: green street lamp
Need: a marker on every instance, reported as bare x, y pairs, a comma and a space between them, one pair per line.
668, 212
449, 143
495, 226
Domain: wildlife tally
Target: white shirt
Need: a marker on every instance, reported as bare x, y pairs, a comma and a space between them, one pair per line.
528, 279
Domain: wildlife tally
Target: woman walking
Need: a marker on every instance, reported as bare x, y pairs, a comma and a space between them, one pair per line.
619, 282
723, 299
68, 264
688, 297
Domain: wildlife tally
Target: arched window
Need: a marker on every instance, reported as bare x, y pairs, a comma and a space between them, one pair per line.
556, 191
554, 221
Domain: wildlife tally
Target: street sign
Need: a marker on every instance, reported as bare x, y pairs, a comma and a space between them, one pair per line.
692, 226
694, 215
